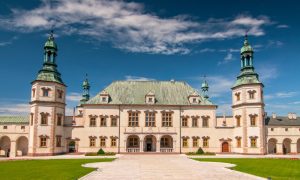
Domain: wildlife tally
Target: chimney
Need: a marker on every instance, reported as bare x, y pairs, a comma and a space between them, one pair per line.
290, 116
274, 116
294, 116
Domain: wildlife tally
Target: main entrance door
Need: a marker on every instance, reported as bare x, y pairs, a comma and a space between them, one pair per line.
149, 143
72, 147
225, 147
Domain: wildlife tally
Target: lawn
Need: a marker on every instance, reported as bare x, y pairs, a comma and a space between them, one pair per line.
274, 168
46, 169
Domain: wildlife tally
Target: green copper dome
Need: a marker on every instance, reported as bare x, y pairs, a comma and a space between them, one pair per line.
204, 85
50, 43
86, 83
247, 47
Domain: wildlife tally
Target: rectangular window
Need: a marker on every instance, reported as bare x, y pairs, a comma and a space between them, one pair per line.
22, 127
102, 142
58, 141
253, 142
59, 120
167, 119
103, 121
92, 142
133, 142
184, 142
113, 142
133, 119
195, 142
194, 122
43, 142
184, 122
45, 92
238, 143
60, 94
205, 143
92, 122
31, 119
204, 122
114, 122
4, 127
44, 119
238, 96
252, 120
150, 119
238, 121
33, 92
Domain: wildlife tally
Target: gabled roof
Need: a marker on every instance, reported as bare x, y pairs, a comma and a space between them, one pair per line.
14, 120
282, 121
133, 92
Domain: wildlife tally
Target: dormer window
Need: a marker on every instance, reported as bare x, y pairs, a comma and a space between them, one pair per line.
194, 98
150, 98
104, 97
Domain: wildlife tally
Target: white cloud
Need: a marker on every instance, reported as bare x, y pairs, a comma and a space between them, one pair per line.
127, 26
8, 42
219, 85
14, 109
224, 109
137, 78
282, 26
227, 59
73, 96
207, 50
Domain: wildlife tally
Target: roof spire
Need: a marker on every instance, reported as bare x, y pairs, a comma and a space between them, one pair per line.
205, 87
86, 88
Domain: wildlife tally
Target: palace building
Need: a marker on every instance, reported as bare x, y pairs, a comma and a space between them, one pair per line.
147, 116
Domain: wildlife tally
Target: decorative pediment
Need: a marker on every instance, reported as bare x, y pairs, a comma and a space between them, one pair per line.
253, 137
195, 137
44, 136
205, 137
103, 116
105, 137
185, 137
72, 139
165, 111
238, 137
195, 117
93, 116
93, 137
185, 116
150, 111
114, 116
114, 137
205, 117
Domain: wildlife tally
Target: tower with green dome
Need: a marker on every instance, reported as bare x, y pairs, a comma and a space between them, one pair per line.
47, 106
248, 105
86, 91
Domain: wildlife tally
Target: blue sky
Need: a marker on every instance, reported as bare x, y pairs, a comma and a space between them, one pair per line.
141, 40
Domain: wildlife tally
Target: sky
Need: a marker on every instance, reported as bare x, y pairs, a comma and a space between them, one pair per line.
151, 40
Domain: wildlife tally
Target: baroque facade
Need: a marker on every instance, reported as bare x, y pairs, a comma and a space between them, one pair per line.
147, 116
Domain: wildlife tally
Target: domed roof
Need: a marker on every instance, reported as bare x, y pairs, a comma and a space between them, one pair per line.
204, 84
50, 43
247, 47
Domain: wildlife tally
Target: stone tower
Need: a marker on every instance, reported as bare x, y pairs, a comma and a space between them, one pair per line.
248, 106
47, 106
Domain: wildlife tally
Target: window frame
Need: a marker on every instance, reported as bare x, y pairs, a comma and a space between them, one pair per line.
133, 119
167, 119
150, 119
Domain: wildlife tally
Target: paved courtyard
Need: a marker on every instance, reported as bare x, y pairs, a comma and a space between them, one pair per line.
163, 167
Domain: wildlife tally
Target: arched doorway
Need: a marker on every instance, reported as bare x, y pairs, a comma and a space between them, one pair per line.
133, 143
72, 147
272, 146
286, 146
166, 144
225, 147
298, 146
22, 146
149, 143
5, 146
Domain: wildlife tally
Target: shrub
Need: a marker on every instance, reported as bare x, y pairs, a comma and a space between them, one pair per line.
101, 152
200, 151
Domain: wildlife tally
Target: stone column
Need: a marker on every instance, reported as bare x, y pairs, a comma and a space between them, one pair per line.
294, 148
125, 146
174, 146
141, 146
157, 146
12, 149
279, 148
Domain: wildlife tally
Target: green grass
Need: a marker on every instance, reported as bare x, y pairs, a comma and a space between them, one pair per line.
46, 169
275, 168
